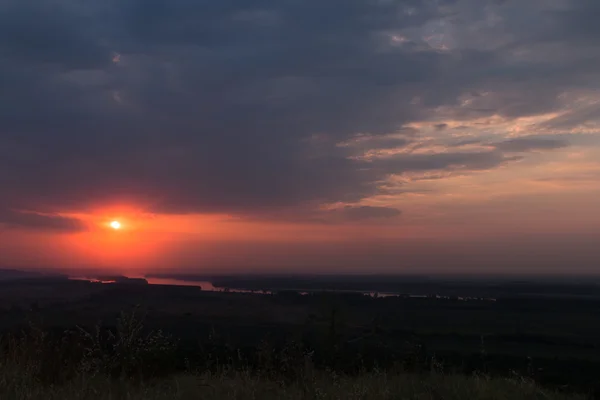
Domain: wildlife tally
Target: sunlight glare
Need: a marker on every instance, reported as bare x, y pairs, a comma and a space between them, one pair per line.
115, 225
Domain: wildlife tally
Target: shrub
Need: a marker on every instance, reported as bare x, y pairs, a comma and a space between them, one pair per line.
128, 352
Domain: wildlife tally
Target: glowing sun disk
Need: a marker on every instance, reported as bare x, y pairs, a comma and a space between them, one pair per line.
115, 225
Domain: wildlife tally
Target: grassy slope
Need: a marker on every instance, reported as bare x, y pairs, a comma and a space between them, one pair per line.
34, 366
320, 386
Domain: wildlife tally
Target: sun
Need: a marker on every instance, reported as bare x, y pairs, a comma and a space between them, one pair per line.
116, 225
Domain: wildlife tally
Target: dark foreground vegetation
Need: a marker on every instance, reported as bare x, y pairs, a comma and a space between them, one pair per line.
127, 363
65, 339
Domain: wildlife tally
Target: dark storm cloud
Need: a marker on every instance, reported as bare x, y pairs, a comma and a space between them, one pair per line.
578, 21
60, 33
35, 221
238, 106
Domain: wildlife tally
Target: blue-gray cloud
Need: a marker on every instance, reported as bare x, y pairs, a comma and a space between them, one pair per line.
43, 222
525, 144
240, 106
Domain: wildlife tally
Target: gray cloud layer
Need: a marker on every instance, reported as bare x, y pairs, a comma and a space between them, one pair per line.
369, 212
238, 106
30, 220
529, 143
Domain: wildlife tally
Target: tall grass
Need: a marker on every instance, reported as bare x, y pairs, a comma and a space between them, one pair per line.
129, 363
324, 385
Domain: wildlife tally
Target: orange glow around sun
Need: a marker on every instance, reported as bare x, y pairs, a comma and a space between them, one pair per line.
128, 238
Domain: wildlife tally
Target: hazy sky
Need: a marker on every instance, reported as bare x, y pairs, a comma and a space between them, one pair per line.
301, 135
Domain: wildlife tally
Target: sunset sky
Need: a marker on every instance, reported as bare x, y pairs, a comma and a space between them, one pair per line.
353, 136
